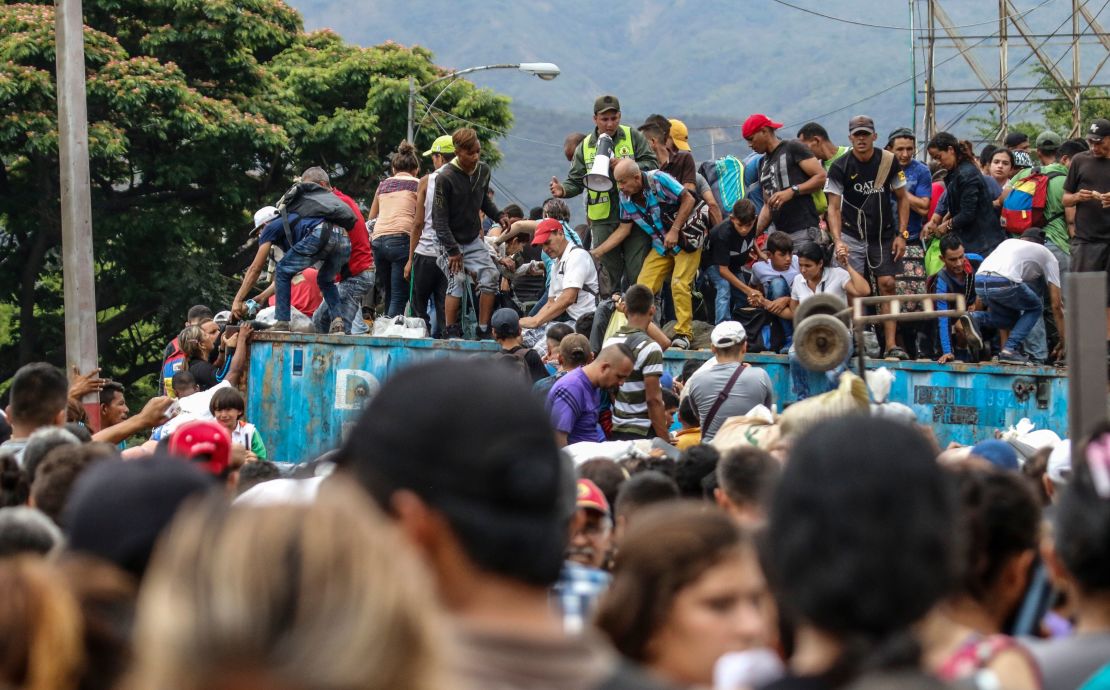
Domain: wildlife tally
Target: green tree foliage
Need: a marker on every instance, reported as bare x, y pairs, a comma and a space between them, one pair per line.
200, 111
1054, 115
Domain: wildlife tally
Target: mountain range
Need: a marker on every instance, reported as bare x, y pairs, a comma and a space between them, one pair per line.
708, 62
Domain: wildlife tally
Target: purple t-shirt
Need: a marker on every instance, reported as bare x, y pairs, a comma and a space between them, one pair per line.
573, 403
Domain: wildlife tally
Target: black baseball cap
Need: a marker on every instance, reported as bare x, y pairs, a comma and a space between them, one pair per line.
118, 509
477, 447
861, 123
605, 103
1015, 139
505, 322
1099, 128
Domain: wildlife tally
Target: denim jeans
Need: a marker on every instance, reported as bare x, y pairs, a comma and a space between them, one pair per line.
351, 292
777, 288
429, 286
334, 254
1012, 306
391, 253
727, 297
806, 383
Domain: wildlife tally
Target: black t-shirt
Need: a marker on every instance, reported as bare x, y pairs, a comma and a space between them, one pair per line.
854, 181
728, 248
1092, 221
780, 170
532, 361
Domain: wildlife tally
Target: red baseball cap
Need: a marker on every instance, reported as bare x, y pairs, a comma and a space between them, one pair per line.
544, 229
591, 498
756, 122
203, 437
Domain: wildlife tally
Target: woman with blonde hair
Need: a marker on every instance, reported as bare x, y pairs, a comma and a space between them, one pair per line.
297, 597
40, 627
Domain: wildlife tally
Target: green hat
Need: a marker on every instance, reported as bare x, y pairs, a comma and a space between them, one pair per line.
605, 103
442, 144
1049, 141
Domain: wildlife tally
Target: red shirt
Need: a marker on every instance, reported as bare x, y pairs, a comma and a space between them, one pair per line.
304, 294
938, 189
361, 256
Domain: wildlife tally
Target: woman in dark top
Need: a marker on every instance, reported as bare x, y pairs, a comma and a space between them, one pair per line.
860, 547
197, 342
972, 215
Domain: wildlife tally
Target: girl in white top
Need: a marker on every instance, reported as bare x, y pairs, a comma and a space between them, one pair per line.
816, 277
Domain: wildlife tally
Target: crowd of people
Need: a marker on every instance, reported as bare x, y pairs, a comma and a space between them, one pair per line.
726, 240
610, 525
443, 546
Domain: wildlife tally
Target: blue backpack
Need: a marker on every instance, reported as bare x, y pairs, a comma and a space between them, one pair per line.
726, 178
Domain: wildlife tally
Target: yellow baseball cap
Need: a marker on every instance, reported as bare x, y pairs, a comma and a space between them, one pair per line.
442, 144
680, 134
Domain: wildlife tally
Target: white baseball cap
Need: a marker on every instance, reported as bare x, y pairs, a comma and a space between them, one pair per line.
727, 334
1059, 463
264, 215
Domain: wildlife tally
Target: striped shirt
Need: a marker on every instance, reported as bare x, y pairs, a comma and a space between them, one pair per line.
630, 409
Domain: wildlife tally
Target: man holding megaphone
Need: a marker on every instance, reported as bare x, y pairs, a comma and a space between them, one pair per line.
591, 171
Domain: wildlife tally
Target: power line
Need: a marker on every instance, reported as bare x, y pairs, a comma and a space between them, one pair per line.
491, 129
899, 28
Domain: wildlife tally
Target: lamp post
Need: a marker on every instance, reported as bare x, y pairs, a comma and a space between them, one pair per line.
544, 70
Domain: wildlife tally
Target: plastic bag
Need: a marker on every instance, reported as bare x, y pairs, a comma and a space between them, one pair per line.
298, 322
933, 260
399, 327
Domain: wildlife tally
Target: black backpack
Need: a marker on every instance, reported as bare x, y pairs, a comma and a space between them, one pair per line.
310, 200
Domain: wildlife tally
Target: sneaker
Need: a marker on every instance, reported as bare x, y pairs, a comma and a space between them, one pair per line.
452, 332
336, 325
483, 333
971, 333
1011, 357
280, 326
680, 342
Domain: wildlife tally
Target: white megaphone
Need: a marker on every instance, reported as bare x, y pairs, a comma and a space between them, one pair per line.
598, 179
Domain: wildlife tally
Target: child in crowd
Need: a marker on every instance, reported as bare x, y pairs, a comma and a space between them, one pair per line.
689, 434
228, 407
183, 385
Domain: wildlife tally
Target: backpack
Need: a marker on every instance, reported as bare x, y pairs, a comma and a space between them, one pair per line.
514, 359
310, 200
172, 364
1024, 205
726, 178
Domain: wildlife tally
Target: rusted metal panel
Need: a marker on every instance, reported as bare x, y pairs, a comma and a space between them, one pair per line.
305, 391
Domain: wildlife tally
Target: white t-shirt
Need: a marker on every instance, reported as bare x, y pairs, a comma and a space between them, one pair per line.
575, 269
1022, 261
832, 282
762, 271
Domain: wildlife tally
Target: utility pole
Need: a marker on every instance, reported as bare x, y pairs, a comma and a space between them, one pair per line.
73, 153
1003, 65
1076, 113
930, 86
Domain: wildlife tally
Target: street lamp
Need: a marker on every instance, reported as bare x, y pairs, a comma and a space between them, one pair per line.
544, 70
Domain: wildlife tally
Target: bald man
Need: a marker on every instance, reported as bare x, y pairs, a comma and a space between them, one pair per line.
640, 193
575, 399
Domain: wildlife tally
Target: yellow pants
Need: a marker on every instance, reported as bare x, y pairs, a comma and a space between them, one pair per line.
681, 268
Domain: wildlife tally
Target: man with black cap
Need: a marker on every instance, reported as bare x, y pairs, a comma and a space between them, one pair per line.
1007, 299
1055, 226
869, 214
487, 499
602, 208
506, 331
1087, 189
1017, 141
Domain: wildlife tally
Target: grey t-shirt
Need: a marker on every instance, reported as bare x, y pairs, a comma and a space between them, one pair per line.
752, 388
1067, 663
15, 448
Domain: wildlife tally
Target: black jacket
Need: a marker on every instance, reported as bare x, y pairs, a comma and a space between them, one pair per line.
458, 198
975, 220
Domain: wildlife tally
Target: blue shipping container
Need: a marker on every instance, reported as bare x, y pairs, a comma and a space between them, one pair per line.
305, 391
